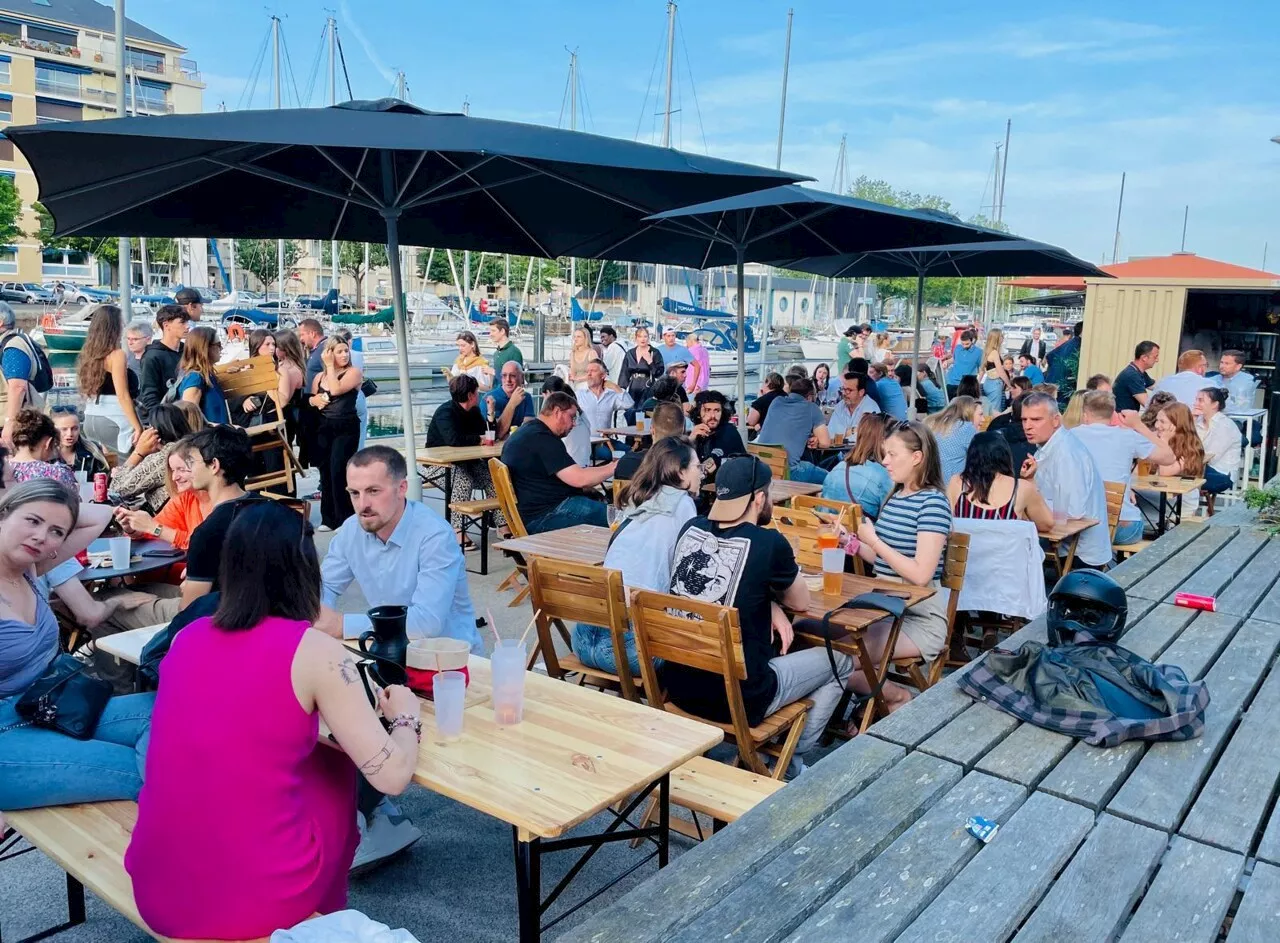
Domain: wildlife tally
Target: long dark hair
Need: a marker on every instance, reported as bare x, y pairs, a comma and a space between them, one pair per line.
106, 330
256, 337
662, 465
988, 456
269, 567
968, 386
170, 423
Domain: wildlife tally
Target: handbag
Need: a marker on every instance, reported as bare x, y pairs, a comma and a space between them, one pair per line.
368, 387
65, 699
894, 606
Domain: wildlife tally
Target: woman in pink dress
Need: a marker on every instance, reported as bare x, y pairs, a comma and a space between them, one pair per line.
246, 821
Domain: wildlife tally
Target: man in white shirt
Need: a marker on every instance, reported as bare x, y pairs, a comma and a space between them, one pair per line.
1240, 384
854, 404
613, 352
1189, 380
1067, 476
601, 398
1115, 449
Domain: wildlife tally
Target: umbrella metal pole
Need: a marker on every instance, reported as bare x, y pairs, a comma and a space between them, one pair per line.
915, 349
741, 405
402, 350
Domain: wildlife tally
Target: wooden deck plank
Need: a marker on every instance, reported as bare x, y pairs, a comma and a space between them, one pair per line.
1026, 755
1006, 879
1162, 581
1201, 643
782, 895
1140, 565
967, 738
1153, 633
1225, 565
1258, 916
1159, 791
1268, 608
1095, 893
1269, 846
1253, 582
1091, 775
884, 897
1230, 808
677, 895
1188, 900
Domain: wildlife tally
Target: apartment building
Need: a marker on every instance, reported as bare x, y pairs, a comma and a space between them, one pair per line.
58, 62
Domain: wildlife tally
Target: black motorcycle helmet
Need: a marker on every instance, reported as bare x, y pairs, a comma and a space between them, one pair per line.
1086, 601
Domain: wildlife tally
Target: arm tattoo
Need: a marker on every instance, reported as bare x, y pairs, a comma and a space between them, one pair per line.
373, 766
347, 670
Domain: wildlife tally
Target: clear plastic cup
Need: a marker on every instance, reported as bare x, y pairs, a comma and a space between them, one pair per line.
450, 694
120, 550
832, 571
508, 667
86, 492
82, 477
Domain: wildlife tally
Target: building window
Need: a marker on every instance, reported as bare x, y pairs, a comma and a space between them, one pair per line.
4, 72
144, 61
8, 260
6, 110
147, 97
64, 263
48, 112
57, 82
6, 151
782, 303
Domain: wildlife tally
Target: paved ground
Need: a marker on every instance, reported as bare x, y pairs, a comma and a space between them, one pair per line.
456, 884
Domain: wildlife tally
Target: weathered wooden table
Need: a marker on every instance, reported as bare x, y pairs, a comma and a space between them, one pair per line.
1167, 487
446, 456
581, 543
1141, 842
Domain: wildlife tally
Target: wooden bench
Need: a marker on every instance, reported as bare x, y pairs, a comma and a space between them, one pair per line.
479, 513
724, 793
88, 842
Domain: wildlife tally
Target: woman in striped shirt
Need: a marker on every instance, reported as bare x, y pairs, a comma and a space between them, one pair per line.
907, 543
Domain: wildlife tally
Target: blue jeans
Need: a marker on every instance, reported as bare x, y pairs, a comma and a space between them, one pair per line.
576, 510
807, 471
594, 647
1129, 532
362, 413
40, 767
1216, 482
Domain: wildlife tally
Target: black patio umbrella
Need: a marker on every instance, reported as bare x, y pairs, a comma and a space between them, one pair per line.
1012, 257
367, 171
789, 222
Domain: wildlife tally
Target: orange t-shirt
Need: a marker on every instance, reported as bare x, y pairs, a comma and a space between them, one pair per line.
184, 514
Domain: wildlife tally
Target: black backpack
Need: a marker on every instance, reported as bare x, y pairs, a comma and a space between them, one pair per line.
41, 375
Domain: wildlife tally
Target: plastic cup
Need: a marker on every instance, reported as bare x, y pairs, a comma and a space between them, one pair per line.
86, 491
120, 552
613, 515
450, 696
508, 668
82, 477
1059, 516
832, 571
487, 438
828, 540
641, 423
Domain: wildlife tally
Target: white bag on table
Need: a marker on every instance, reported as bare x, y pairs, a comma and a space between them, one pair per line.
345, 926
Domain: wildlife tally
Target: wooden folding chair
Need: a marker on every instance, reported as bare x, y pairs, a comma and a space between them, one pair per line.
800, 524
565, 593
618, 485
955, 562
709, 637
1115, 503
506, 495
257, 377
775, 456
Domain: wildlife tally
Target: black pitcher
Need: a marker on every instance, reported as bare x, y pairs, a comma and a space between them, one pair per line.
388, 641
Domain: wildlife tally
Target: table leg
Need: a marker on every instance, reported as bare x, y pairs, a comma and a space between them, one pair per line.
528, 887
1177, 510
1069, 560
664, 820
1162, 522
448, 490
877, 674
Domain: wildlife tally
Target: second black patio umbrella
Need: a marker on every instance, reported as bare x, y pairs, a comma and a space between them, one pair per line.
1013, 257
382, 171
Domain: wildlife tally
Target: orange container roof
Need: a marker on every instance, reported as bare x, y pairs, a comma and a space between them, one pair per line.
1178, 265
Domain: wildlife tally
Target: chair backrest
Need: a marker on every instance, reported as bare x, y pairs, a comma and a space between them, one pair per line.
801, 527
247, 377
505, 492
775, 456
697, 635
294, 504
954, 564
573, 592
618, 485
849, 512
1115, 503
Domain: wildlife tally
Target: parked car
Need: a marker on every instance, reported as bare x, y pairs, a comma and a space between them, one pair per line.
25, 292
84, 294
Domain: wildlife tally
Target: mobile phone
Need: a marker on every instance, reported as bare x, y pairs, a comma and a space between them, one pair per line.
158, 552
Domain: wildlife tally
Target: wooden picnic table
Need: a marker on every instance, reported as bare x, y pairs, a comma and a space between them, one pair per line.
1167, 486
782, 490
446, 456
582, 543
1066, 532
1139, 842
627, 432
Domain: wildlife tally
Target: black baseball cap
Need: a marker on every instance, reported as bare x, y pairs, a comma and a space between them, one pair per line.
738, 479
189, 296
851, 330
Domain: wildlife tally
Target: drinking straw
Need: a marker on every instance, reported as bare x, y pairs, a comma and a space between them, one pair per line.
492, 625
530, 626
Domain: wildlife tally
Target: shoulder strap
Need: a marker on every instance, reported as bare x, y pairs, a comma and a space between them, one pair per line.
890, 605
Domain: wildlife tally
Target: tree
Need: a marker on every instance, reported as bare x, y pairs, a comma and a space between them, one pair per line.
351, 261
10, 212
588, 270
106, 248
492, 270
259, 258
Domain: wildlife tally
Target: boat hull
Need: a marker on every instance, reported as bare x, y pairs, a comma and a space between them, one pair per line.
66, 342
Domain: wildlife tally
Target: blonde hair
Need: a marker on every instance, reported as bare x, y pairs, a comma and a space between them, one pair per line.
961, 409
995, 340
197, 352
1073, 415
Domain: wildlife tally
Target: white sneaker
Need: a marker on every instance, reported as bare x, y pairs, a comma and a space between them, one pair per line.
381, 840
324, 529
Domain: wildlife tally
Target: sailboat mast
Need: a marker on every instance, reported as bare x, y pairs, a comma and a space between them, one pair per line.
573, 126
275, 83
332, 26
1115, 245
671, 49
125, 265
782, 123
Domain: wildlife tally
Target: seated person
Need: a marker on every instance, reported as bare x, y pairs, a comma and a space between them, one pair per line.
793, 421
1029, 369
509, 405
38, 530
1221, 439
891, 399
73, 449
714, 436
547, 482
657, 503
666, 389
220, 458
141, 475
679, 371
668, 420
953, 429
854, 404
578, 440
928, 388
33, 452
295, 795
770, 391
185, 510
988, 487
458, 422
729, 558
861, 477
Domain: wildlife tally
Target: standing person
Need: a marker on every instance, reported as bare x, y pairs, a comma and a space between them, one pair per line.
988, 489
191, 302
861, 477
1220, 437
994, 378
964, 361
33, 435
714, 437
311, 336
159, 364
580, 355
641, 366
357, 361
792, 421
1190, 378
699, 376
600, 400
251, 410
672, 350
854, 404
59, 295
197, 382
136, 338
1241, 385
73, 450
295, 796
338, 432
612, 353
953, 429
106, 381
730, 558
458, 422
1067, 476
508, 405
1115, 449
844, 349
20, 364
547, 481
505, 350
770, 390
907, 542
1034, 349
291, 364
470, 361
1132, 383
220, 459
1063, 363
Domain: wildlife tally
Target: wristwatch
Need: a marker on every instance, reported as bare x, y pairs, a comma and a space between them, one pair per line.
157, 531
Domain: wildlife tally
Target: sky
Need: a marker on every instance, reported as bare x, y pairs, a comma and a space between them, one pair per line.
1181, 96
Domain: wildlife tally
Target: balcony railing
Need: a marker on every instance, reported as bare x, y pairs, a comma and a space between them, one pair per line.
65, 89
178, 68
150, 106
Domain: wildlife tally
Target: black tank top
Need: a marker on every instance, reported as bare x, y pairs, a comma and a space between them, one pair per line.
108, 387
341, 405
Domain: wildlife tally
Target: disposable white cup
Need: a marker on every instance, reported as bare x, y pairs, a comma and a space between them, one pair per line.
82, 476
508, 668
86, 491
449, 692
120, 547
833, 560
